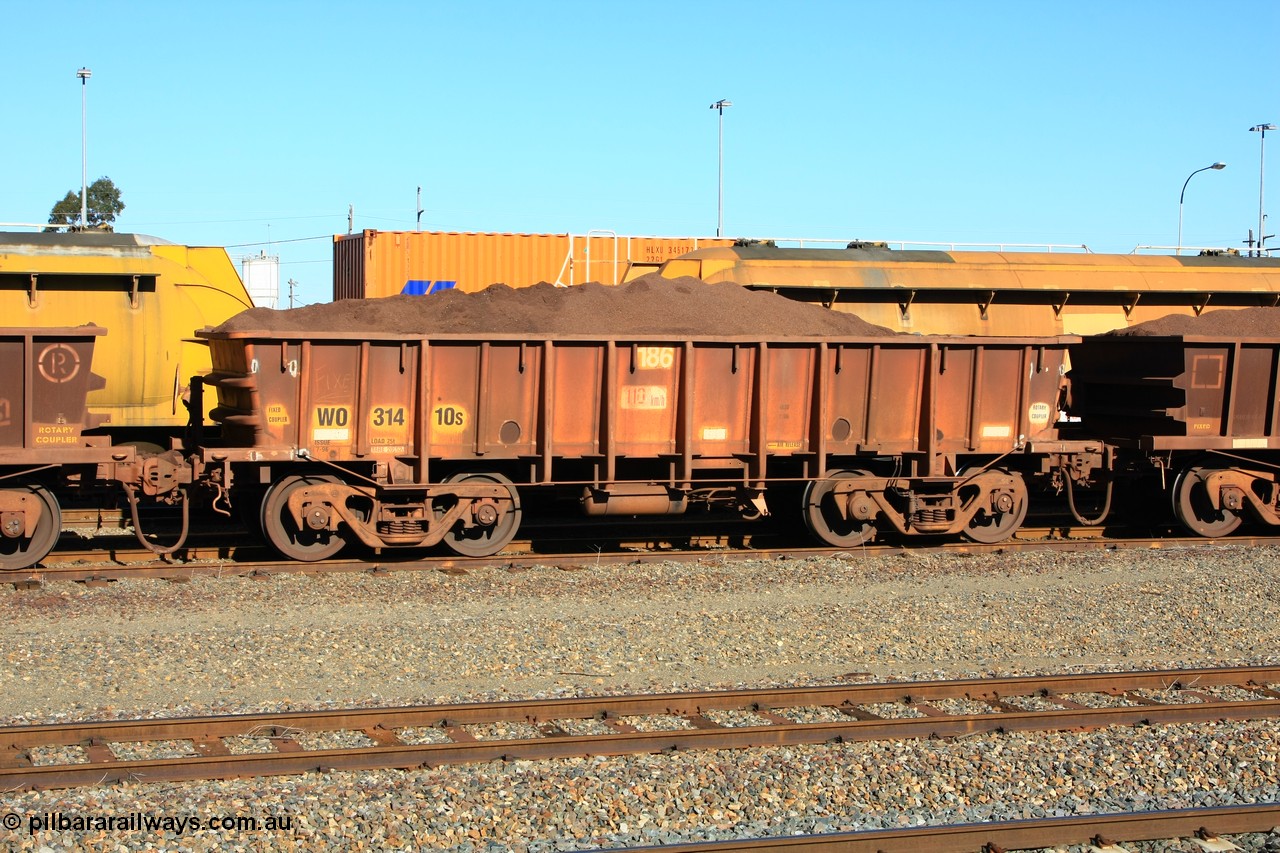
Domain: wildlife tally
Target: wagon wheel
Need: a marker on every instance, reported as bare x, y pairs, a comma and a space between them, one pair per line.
494, 528
19, 552
997, 523
1191, 505
823, 517
304, 544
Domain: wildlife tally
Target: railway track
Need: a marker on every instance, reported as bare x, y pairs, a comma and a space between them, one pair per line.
92, 753
1100, 832
231, 552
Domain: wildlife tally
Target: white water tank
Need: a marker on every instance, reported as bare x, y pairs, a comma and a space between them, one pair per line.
261, 274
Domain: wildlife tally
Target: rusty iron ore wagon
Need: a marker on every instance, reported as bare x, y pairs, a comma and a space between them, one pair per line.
1200, 413
391, 441
45, 379
330, 439
47, 447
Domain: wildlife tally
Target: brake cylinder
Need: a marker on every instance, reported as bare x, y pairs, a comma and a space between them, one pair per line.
633, 499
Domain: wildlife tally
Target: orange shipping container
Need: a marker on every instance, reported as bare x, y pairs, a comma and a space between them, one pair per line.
387, 263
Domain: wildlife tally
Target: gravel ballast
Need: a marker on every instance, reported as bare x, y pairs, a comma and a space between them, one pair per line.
228, 645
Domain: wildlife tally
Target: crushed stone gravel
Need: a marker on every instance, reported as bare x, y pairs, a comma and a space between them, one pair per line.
236, 645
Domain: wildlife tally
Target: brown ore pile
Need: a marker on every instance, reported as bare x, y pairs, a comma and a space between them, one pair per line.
1242, 323
650, 305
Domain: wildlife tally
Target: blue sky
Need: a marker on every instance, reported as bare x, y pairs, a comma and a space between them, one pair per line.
256, 125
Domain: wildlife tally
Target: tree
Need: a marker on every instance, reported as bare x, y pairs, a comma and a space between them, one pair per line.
103, 203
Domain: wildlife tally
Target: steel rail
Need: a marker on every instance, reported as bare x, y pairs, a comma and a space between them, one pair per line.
216, 562
211, 757
1100, 831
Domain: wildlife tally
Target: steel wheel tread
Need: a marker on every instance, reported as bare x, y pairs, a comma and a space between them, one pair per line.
1191, 505
283, 533
992, 527
20, 553
823, 517
482, 541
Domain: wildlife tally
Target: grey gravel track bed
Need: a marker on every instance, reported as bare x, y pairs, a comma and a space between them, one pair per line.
146, 648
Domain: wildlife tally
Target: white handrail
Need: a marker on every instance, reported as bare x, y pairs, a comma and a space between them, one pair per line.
1245, 251
902, 245
832, 242
606, 234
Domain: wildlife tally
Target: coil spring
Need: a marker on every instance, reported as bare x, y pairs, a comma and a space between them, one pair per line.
401, 527
930, 516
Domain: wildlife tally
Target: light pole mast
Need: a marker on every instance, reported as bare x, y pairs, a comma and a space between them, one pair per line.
719, 107
84, 74
1262, 157
1217, 167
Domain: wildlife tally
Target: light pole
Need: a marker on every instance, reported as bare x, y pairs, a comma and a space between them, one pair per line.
1262, 156
1217, 167
719, 107
84, 74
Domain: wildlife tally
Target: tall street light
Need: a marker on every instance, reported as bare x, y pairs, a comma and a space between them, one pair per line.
84, 74
719, 106
1217, 167
1262, 156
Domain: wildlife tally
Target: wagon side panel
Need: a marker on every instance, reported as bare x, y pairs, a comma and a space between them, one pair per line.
1256, 387
387, 417
895, 419
787, 389
571, 424
450, 399
720, 399
45, 379
508, 399
15, 362
644, 388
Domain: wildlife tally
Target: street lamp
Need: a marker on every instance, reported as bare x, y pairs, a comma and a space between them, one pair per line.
84, 74
719, 106
1217, 167
1262, 155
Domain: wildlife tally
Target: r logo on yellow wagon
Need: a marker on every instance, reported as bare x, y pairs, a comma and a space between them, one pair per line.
58, 363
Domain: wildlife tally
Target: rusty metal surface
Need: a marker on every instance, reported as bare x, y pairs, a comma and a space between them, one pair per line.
1098, 831
45, 378
211, 759
457, 398
1180, 392
504, 397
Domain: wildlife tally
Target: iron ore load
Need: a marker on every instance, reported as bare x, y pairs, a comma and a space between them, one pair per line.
408, 422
